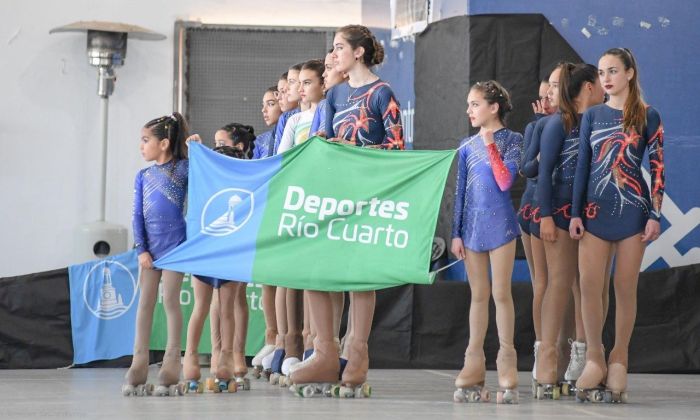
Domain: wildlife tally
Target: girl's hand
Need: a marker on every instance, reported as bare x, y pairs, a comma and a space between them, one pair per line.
651, 231
195, 138
487, 135
458, 248
342, 141
538, 106
548, 231
576, 228
145, 260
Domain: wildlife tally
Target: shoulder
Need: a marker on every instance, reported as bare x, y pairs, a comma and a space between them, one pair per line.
182, 165
332, 92
597, 111
555, 123
653, 114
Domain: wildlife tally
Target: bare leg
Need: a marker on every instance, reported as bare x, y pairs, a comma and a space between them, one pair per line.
227, 293
214, 332
539, 283
202, 303
294, 345
593, 252
337, 300
240, 316
268, 298
148, 283
169, 373
630, 252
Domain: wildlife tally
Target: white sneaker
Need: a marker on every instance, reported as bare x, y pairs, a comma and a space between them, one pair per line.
288, 363
534, 366
577, 360
267, 349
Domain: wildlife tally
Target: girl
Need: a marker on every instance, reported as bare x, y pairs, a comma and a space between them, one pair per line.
578, 90
228, 307
263, 144
159, 226
271, 113
484, 230
311, 93
620, 210
330, 78
361, 112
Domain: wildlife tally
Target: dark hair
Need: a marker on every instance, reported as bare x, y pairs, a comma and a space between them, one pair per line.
634, 114
359, 36
174, 128
317, 66
494, 93
241, 134
571, 80
284, 76
233, 152
271, 89
296, 67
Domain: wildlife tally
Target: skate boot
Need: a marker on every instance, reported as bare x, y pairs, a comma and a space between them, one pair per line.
470, 381
287, 364
546, 384
616, 385
353, 382
192, 373
137, 375
589, 386
534, 367
276, 366
169, 375
267, 365
576, 363
240, 370
308, 347
225, 373
507, 365
258, 368
318, 375
211, 381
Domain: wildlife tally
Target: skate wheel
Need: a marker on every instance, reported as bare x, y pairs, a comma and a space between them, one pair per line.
556, 393
508, 396
459, 396
473, 396
534, 389
565, 389
596, 396
539, 392
128, 390
307, 391
485, 395
335, 391
211, 384
346, 392
232, 387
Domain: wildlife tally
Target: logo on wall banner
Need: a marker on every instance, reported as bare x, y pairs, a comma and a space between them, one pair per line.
227, 211
103, 301
320, 216
105, 297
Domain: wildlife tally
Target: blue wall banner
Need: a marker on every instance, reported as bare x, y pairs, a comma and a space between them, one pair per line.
103, 301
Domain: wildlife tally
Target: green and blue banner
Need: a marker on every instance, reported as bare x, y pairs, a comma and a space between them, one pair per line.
321, 216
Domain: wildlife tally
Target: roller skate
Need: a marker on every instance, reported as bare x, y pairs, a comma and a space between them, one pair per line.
576, 363
470, 381
308, 347
258, 367
353, 382
546, 386
211, 382
169, 375
507, 366
589, 386
286, 365
276, 366
616, 385
240, 370
317, 375
267, 366
192, 374
226, 381
137, 375
534, 367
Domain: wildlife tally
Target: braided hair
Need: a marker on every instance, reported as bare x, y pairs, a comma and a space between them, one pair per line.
359, 36
494, 93
174, 128
241, 134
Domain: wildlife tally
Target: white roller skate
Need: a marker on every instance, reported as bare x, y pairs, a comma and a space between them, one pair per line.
286, 365
258, 367
470, 381
577, 361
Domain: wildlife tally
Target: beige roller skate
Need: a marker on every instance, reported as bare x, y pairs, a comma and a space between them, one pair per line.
137, 376
470, 381
507, 365
169, 375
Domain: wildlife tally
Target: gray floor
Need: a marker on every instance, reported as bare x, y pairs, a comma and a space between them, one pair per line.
397, 394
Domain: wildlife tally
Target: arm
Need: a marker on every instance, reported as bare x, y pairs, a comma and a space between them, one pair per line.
527, 139
137, 221
279, 131
655, 144
505, 170
330, 112
459, 193
391, 118
551, 143
531, 162
287, 141
583, 166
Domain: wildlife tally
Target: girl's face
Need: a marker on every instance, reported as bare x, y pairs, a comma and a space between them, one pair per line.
479, 111
270, 109
613, 76
151, 147
553, 91
282, 95
221, 138
344, 57
597, 93
293, 86
544, 87
331, 76
311, 87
